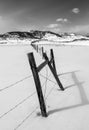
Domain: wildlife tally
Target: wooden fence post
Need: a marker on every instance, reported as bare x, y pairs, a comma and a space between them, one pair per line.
38, 84
53, 72
53, 61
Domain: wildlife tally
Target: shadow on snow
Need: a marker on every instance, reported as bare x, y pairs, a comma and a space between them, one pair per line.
83, 97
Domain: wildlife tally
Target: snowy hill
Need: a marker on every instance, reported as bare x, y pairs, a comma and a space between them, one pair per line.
35, 35
74, 37
22, 35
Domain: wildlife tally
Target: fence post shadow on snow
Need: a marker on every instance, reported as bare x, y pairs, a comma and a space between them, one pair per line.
83, 96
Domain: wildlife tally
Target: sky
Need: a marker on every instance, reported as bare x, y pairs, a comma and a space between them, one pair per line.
54, 15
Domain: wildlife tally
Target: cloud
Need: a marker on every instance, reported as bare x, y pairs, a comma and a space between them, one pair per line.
52, 26
75, 10
62, 20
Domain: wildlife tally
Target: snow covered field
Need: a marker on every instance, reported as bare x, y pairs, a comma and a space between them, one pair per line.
19, 106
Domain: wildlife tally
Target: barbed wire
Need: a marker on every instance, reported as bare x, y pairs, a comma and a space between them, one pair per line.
29, 114
12, 85
17, 105
45, 83
34, 109
48, 79
20, 103
26, 118
49, 92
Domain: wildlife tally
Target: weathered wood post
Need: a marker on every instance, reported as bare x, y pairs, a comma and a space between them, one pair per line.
38, 84
53, 61
42, 52
53, 72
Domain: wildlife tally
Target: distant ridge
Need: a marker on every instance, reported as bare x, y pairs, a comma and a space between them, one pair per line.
34, 35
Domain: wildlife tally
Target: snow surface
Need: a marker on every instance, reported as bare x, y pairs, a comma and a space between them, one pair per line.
67, 110
62, 43
15, 41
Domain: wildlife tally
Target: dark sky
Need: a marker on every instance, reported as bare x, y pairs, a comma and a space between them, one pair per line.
54, 15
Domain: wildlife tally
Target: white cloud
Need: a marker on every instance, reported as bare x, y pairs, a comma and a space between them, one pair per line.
52, 26
59, 19
75, 10
65, 20
62, 20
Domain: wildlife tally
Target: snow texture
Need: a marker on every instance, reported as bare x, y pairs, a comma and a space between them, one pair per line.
67, 110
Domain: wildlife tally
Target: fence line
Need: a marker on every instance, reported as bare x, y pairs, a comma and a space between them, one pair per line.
38, 49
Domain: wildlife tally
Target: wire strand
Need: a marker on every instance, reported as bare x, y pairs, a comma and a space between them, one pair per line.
17, 105
20, 103
12, 85
34, 110
49, 93
48, 79
29, 114
26, 118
